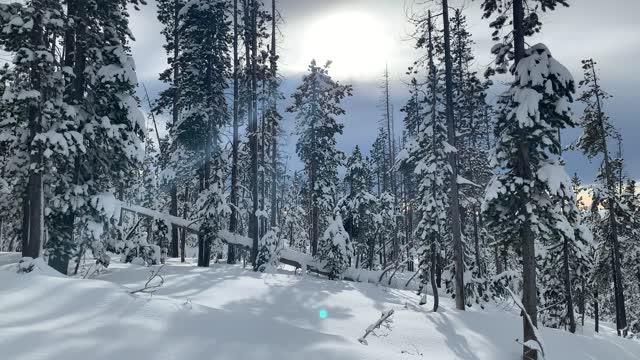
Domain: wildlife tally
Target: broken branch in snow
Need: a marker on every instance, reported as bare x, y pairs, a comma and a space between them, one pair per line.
384, 320
536, 343
150, 288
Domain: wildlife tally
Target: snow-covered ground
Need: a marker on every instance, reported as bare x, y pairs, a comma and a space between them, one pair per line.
226, 312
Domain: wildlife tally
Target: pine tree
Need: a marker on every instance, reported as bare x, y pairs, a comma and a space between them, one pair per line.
534, 109
206, 59
357, 208
295, 225
33, 130
316, 105
597, 132
335, 248
426, 154
169, 99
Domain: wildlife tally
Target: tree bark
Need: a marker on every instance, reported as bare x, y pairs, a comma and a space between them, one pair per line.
233, 219
185, 210
253, 136
454, 200
529, 296
175, 113
32, 231
274, 125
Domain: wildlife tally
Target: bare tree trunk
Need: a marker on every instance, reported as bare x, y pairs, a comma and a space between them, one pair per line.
567, 285
476, 238
529, 299
274, 125
596, 311
175, 113
185, 210
32, 230
233, 219
391, 160
253, 129
454, 200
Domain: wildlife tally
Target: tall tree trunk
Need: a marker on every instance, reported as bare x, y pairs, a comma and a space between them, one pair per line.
476, 238
567, 285
454, 200
529, 296
33, 224
253, 136
596, 311
274, 125
391, 161
432, 275
175, 113
233, 219
185, 210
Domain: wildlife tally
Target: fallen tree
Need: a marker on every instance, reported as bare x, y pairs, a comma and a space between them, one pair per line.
114, 208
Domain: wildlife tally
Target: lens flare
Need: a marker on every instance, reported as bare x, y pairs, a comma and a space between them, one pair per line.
323, 314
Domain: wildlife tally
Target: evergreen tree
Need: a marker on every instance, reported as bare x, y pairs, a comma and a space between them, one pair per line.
335, 248
206, 64
316, 105
594, 142
534, 109
357, 208
169, 99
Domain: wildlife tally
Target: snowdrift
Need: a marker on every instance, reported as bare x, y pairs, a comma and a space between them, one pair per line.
226, 312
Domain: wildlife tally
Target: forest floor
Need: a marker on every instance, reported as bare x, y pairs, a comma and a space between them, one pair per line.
227, 312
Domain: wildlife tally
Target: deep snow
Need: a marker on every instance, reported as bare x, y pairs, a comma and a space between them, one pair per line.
226, 312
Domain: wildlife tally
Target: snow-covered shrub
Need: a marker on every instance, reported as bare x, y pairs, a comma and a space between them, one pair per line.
138, 251
160, 237
335, 248
269, 252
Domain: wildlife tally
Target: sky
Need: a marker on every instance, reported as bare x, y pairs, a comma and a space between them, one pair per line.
362, 37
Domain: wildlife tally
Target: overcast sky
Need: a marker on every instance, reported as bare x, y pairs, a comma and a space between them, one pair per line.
362, 36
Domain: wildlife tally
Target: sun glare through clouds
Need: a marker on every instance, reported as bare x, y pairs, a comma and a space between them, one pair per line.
356, 42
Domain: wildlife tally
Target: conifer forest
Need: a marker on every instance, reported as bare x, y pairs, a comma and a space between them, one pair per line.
328, 179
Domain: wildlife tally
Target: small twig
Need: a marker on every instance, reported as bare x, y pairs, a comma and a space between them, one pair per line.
150, 289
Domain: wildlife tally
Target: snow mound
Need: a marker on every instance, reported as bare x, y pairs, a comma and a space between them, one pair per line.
27, 265
227, 312
51, 318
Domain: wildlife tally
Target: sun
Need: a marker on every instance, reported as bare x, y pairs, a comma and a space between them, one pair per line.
356, 42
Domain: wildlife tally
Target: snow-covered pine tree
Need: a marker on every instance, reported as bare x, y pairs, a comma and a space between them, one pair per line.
335, 248
565, 255
526, 153
357, 208
414, 113
426, 153
316, 103
295, 227
206, 64
630, 232
598, 130
471, 125
169, 99
36, 130
378, 159
107, 113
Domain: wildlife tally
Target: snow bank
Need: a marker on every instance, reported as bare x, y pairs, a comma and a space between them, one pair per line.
52, 318
227, 312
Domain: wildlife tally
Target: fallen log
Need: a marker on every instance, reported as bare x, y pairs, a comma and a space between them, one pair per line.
113, 207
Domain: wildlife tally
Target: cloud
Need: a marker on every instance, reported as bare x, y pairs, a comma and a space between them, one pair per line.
604, 30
